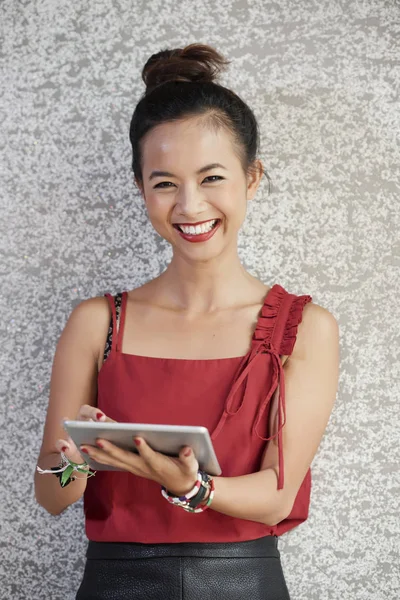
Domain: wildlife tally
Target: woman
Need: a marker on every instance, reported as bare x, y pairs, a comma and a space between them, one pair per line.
205, 343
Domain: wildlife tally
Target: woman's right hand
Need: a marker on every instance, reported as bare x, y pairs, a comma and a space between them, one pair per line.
86, 413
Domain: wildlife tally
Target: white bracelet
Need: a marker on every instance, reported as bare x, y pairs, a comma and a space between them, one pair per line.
177, 499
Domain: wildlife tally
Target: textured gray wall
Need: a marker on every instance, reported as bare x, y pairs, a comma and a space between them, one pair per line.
323, 79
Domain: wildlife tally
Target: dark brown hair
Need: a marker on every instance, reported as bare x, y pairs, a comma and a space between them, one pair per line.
180, 83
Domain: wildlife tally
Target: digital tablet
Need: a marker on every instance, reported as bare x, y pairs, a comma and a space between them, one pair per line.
167, 439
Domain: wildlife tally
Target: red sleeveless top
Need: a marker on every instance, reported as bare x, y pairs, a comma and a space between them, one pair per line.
229, 396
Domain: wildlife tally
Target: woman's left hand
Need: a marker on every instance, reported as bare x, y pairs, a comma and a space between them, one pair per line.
177, 474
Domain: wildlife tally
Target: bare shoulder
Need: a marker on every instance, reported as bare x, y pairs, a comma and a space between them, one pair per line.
92, 316
316, 317
93, 312
318, 328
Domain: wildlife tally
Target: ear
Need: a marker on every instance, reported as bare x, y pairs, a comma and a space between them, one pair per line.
254, 179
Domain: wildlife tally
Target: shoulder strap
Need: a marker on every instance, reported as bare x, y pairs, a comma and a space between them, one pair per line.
123, 296
118, 305
289, 317
111, 301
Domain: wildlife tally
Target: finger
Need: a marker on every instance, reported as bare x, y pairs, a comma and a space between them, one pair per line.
108, 453
101, 416
145, 451
188, 459
70, 450
90, 413
87, 412
95, 414
62, 446
81, 416
103, 457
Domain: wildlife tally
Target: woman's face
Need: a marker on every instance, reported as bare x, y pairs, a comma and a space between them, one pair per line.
195, 206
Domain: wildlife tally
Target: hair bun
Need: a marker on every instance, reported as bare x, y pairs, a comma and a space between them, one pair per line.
194, 63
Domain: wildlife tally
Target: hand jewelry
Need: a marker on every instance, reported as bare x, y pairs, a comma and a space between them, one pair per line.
65, 469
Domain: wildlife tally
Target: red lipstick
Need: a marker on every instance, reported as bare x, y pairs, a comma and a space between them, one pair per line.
200, 237
197, 223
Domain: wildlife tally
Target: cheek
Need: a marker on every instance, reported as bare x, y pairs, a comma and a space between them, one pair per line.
157, 209
234, 208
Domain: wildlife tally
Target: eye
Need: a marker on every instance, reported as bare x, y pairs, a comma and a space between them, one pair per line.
209, 177
218, 177
161, 184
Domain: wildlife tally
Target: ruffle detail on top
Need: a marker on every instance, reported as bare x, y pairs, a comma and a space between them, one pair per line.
267, 321
293, 321
264, 331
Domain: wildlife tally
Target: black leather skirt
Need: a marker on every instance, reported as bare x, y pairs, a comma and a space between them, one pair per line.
184, 571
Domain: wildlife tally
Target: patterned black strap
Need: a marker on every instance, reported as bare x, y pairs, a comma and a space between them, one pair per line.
108, 346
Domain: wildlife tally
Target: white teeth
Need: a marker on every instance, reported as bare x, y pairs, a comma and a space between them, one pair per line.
198, 229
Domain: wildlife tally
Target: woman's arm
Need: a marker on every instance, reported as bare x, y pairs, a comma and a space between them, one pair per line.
311, 383
73, 383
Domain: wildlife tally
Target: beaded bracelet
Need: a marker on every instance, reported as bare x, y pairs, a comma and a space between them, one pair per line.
210, 499
190, 501
187, 496
199, 497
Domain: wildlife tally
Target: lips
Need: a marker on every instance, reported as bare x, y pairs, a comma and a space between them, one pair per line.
198, 237
197, 224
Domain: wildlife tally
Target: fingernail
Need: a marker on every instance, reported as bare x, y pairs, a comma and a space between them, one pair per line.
138, 442
64, 448
100, 445
99, 416
85, 450
187, 453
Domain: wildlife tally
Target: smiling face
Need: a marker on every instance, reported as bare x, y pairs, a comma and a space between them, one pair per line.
194, 187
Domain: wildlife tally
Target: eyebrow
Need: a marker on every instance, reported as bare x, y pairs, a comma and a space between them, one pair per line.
202, 170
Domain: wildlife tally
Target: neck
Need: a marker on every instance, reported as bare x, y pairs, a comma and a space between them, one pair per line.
199, 287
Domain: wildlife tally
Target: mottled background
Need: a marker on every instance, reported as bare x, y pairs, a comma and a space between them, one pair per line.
323, 79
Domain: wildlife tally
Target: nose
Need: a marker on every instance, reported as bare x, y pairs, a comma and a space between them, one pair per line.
190, 202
